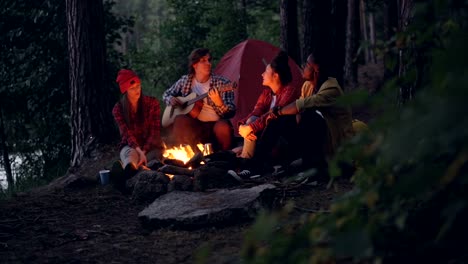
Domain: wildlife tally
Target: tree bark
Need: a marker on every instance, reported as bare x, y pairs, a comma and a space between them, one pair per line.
352, 43
289, 38
308, 25
362, 12
91, 105
372, 37
6, 159
406, 91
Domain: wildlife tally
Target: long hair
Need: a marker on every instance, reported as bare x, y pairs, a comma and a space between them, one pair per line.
324, 68
140, 116
280, 65
195, 57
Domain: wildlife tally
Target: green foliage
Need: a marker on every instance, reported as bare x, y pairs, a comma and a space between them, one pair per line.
409, 202
34, 94
159, 52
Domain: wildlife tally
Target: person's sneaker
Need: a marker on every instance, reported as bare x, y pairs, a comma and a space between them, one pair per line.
234, 175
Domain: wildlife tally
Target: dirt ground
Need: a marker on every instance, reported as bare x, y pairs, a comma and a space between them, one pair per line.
97, 224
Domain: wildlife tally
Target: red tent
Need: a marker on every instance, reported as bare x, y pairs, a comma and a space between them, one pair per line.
244, 64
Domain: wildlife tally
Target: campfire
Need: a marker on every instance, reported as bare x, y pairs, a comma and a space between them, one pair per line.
185, 153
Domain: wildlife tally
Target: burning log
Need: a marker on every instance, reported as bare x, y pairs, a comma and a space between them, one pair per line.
194, 162
175, 162
175, 170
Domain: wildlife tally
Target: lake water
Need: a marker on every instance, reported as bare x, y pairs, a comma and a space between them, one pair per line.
14, 166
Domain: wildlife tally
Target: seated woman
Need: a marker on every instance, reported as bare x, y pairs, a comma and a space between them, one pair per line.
260, 132
138, 118
323, 125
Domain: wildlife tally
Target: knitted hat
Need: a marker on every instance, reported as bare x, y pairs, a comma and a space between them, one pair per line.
125, 79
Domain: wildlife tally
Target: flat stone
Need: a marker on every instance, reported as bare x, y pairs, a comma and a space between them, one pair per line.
180, 209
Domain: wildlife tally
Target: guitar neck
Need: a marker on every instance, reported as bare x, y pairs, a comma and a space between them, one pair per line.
199, 97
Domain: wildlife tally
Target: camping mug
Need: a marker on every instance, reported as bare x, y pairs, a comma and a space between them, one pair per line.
207, 149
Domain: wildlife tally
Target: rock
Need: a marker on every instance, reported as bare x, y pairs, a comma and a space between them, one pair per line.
208, 177
180, 183
196, 209
147, 186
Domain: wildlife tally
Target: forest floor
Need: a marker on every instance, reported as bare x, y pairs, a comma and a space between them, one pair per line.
98, 224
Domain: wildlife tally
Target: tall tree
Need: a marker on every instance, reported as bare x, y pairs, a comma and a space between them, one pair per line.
5, 153
406, 53
289, 31
352, 43
307, 26
91, 120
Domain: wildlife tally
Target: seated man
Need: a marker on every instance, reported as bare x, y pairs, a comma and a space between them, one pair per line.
323, 125
210, 122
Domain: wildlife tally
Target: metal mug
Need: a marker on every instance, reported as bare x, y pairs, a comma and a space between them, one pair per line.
207, 149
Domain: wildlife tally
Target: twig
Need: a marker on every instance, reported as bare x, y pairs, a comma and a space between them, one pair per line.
310, 210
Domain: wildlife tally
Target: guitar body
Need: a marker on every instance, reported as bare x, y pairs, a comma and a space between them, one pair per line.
192, 105
171, 112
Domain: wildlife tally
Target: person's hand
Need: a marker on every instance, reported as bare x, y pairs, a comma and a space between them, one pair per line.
142, 156
251, 137
245, 130
215, 97
276, 111
174, 101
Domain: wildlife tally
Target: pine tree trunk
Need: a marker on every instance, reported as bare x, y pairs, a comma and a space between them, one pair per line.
362, 12
352, 43
307, 25
91, 103
6, 159
406, 91
289, 32
338, 11
372, 37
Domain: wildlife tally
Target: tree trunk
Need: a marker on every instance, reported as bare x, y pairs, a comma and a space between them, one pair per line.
6, 159
307, 25
406, 91
91, 103
390, 28
372, 37
289, 32
362, 12
352, 43
337, 40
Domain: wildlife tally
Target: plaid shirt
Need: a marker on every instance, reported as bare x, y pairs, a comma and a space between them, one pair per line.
284, 96
183, 87
145, 135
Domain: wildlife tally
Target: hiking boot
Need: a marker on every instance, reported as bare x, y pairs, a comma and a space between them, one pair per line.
117, 175
130, 171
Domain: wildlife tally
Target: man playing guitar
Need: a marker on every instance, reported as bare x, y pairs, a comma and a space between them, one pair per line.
209, 122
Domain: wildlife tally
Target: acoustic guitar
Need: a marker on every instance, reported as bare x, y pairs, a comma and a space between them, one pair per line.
191, 104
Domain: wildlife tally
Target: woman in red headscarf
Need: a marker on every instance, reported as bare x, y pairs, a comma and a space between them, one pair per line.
138, 118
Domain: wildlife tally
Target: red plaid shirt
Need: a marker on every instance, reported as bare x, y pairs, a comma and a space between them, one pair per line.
284, 96
146, 135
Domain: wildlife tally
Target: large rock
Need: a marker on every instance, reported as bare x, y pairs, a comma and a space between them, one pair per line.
147, 186
196, 209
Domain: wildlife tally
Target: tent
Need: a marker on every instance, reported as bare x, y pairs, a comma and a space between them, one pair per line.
244, 64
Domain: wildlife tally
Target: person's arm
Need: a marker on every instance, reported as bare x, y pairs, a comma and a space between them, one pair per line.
325, 97
288, 95
127, 137
223, 102
175, 90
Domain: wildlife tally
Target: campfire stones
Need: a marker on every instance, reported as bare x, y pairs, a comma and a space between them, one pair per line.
208, 177
148, 185
181, 183
196, 209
